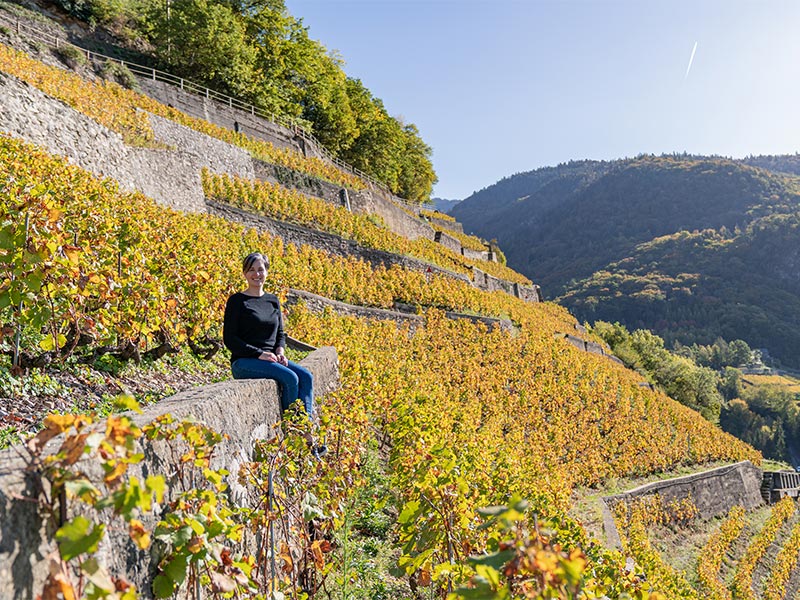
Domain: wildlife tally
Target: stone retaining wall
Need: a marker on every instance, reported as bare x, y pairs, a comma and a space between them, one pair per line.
170, 176
396, 219
588, 346
446, 224
481, 279
300, 182
405, 313
713, 492
339, 246
365, 201
245, 410
532, 293
478, 254
224, 116
204, 150
329, 242
448, 241
318, 304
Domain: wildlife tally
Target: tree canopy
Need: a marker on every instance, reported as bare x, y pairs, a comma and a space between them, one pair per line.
255, 50
679, 377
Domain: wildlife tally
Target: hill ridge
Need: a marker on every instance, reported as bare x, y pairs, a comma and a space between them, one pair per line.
691, 248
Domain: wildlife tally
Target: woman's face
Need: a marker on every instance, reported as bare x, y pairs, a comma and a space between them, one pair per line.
256, 274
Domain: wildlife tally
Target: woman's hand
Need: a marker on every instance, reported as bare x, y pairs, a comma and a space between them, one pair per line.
268, 356
281, 357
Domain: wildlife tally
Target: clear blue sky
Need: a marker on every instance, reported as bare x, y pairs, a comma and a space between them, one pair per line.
497, 87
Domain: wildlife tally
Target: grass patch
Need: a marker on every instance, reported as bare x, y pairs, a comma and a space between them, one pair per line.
119, 73
776, 465
72, 57
366, 552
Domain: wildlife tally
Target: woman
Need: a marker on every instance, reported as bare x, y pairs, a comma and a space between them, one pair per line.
253, 332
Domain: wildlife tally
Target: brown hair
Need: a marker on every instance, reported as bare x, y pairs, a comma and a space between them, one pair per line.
253, 257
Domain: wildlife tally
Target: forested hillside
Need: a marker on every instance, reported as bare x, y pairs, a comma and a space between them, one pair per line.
256, 51
692, 248
787, 163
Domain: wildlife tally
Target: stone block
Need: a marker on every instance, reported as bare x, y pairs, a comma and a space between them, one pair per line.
398, 220
448, 241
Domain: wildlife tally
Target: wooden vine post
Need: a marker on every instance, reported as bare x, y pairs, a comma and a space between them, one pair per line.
18, 336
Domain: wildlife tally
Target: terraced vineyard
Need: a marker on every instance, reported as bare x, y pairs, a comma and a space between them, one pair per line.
746, 555
275, 201
472, 417
785, 382
120, 110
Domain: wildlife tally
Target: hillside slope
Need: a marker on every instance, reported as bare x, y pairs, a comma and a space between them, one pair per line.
255, 53
692, 248
474, 416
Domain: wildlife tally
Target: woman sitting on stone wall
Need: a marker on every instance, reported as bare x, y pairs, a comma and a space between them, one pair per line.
253, 332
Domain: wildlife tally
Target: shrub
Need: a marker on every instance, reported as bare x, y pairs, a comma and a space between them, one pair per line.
119, 73
72, 56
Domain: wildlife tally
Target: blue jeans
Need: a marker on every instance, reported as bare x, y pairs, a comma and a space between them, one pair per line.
296, 382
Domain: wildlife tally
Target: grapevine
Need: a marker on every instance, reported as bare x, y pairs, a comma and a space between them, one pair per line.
710, 558
785, 563
742, 586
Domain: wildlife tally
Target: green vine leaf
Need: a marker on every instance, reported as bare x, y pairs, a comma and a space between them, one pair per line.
78, 537
163, 586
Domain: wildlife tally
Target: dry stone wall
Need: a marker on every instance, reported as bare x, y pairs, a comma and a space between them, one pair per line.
318, 304
170, 176
713, 492
300, 182
246, 410
200, 150
590, 347
331, 243
478, 254
532, 293
404, 315
337, 245
27, 113
398, 220
444, 223
367, 201
448, 241
484, 281
225, 116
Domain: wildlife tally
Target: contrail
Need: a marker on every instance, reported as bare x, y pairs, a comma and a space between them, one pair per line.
691, 59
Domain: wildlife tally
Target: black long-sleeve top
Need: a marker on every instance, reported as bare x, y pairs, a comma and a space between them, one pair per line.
253, 325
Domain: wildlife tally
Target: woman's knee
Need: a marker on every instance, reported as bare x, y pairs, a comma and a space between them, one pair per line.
289, 376
306, 379
304, 376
